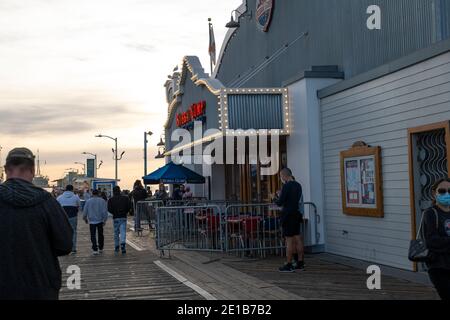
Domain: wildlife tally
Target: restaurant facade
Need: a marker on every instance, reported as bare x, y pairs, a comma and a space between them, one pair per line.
352, 95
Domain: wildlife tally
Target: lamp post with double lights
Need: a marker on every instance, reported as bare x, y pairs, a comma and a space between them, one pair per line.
115, 151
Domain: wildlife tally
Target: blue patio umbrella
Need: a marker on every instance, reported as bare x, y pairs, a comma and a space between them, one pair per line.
173, 174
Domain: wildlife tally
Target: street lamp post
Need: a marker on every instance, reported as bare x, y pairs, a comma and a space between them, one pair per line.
115, 151
1, 165
149, 133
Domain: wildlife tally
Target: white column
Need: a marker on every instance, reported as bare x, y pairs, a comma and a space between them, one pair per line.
304, 148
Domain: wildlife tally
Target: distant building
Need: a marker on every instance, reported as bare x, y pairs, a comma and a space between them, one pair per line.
69, 178
41, 181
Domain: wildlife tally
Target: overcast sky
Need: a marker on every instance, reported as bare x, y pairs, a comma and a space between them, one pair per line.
71, 69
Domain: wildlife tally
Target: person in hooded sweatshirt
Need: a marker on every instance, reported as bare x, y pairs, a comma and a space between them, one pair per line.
34, 231
95, 213
71, 204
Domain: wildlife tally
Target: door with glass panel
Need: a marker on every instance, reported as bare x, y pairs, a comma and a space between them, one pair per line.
429, 148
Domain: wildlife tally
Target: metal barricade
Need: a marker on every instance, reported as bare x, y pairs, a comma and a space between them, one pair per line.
241, 229
146, 213
189, 228
200, 202
253, 229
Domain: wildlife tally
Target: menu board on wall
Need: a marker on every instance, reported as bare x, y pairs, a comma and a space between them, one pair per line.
361, 181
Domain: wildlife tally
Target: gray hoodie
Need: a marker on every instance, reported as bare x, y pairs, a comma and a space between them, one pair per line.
95, 210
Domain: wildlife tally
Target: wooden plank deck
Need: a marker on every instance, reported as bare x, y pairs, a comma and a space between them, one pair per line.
324, 278
332, 281
136, 277
111, 277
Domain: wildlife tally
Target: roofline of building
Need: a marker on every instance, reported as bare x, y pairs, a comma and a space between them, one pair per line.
316, 72
241, 10
388, 68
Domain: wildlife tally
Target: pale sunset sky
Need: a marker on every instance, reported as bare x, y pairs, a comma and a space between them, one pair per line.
71, 69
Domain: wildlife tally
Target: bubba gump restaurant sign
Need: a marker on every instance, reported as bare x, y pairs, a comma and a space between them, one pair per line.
195, 112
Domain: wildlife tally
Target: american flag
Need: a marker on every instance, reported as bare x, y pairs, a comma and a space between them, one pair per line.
212, 44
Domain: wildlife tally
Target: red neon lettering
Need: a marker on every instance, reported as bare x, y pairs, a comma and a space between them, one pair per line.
195, 111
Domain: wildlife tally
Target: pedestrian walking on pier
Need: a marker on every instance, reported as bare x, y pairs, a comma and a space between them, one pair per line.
291, 220
138, 194
71, 203
119, 206
34, 232
436, 227
96, 214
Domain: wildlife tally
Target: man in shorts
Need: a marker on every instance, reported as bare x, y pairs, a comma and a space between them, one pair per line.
291, 220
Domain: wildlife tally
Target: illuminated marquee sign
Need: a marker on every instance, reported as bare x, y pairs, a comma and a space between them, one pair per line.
195, 112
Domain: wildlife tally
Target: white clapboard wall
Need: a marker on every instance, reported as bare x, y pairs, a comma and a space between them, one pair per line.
380, 112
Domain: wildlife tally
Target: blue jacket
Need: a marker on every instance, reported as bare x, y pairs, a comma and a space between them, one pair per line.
95, 210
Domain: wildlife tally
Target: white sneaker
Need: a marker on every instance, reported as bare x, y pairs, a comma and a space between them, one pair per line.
100, 251
95, 253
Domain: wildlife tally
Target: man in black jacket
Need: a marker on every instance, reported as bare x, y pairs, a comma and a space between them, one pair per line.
291, 220
34, 231
119, 206
138, 194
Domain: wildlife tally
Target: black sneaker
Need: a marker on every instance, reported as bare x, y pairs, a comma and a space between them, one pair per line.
287, 268
299, 265
124, 248
116, 249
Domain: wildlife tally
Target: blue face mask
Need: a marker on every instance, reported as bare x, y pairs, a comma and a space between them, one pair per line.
443, 199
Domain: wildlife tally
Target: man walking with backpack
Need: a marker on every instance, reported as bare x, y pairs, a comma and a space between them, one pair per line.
34, 232
71, 204
96, 213
119, 206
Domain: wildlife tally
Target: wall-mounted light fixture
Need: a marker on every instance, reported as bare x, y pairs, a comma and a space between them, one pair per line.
234, 23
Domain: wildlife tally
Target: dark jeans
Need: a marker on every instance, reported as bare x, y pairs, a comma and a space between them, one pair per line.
101, 240
441, 281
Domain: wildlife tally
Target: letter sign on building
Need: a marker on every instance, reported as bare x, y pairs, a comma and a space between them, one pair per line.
197, 110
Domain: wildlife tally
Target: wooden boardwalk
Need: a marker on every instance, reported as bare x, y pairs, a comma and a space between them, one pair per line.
136, 276
324, 279
111, 277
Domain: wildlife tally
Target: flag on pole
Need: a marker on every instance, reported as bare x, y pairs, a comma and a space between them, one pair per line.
212, 44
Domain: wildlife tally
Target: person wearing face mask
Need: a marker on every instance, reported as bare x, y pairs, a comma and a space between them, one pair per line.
437, 238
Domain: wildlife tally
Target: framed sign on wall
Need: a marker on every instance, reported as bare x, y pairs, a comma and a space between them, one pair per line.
361, 181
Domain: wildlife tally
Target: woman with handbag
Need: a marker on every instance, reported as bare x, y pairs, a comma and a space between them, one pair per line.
437, 238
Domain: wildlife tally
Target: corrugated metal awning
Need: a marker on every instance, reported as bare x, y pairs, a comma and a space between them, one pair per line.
255, 111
